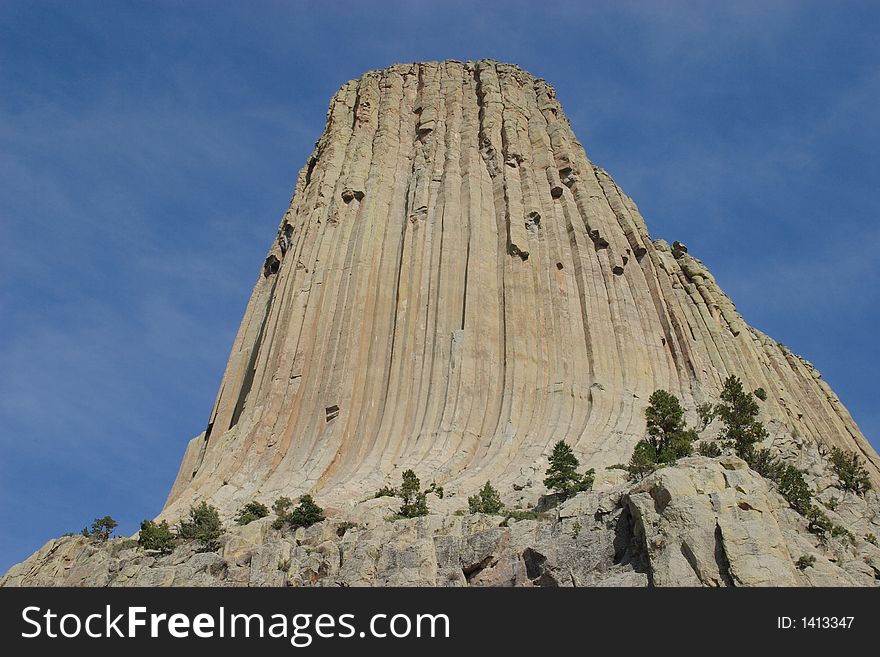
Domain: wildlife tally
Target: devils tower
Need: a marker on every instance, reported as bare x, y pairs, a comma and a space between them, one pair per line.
454, 288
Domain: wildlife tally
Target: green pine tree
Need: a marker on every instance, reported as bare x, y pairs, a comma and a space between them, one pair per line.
793, 487
304, 514
487, 500
202, 525
562, 476
102, 529
668, 437
251, 511
643, 460
738, 410
281, 507
156, 536
664, 419
415, 501
849, 470
307, 513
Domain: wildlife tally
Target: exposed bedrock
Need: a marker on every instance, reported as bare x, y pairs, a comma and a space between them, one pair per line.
702, 522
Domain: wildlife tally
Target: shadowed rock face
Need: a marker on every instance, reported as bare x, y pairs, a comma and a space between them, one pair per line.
456, 286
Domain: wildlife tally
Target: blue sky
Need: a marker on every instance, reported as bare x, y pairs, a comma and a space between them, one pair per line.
148, 150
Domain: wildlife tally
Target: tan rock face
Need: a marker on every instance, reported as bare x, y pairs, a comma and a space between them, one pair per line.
455, 287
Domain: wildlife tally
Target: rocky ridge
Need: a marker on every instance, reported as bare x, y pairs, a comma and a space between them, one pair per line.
702, 522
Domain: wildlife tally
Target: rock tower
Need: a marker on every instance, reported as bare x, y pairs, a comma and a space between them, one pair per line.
455, 287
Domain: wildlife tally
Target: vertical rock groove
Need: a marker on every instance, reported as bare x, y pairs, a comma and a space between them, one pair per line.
463, 287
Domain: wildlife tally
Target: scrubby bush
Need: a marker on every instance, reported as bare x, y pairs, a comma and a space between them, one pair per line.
710, 449
487, 500
251, 511
386, 491
871, 538
849, 470
415, 500
738, 411
765, 464
305, 514
818, 523
102, 529
805, 561
789, 480
156, 536
281, 507
761, 394
417, 506
793, 487
562, 476
202, 525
